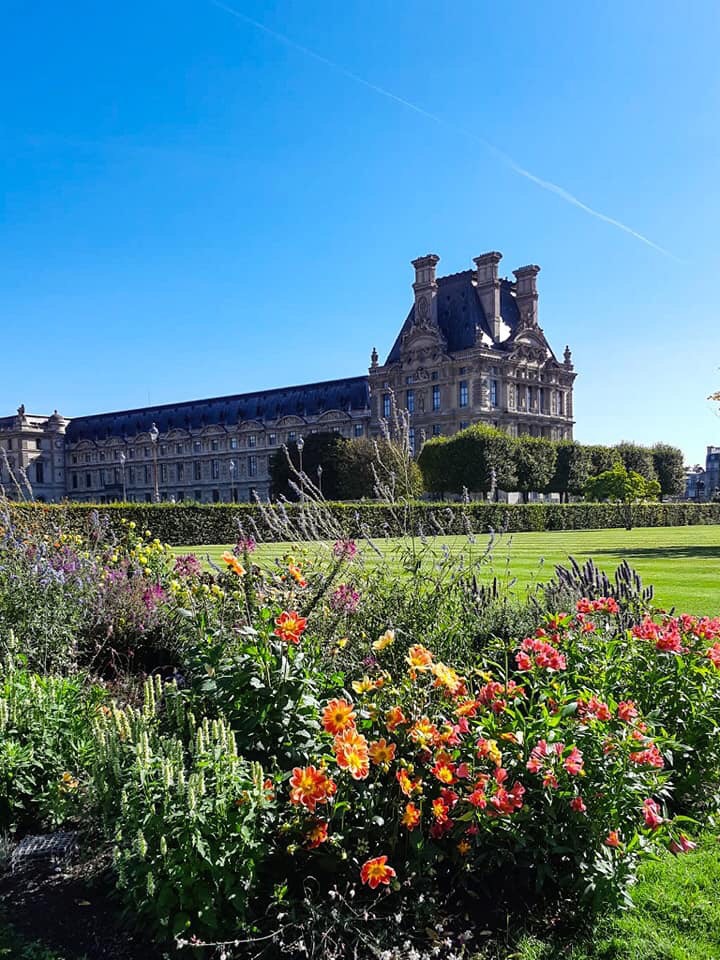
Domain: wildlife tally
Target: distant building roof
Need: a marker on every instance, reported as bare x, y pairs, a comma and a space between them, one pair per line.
460, 313
306, 400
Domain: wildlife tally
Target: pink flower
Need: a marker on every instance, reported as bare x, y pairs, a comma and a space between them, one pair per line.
578, 805
651, 813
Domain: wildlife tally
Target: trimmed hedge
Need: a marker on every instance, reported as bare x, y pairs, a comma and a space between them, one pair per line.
196, 524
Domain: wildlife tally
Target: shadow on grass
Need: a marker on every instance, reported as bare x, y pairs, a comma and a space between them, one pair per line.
691, 551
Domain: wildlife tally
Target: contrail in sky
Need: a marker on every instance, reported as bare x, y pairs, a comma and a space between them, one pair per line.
503, 157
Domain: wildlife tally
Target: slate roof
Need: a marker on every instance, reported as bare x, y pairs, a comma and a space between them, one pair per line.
460, 312
306, 400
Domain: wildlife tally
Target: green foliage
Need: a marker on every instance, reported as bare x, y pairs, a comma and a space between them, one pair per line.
46, 746
184, 524
669, 469
535, 460
637, 459
469, 460
602, 458
572, 469
622, 486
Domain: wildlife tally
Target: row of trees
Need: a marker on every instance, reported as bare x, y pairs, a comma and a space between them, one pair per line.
480, 459
483, 460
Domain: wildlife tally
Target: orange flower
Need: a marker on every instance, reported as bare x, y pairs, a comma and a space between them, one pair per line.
444, 772
612, 839
234, 564
411, 817
463, 848
351, 751
289, 626
447, 677
394, 718
423, 732
310, 786
376, 871
362, 686
338, 716
382, 752
407, 784
296, 574
386, 640
419, 657
317, 834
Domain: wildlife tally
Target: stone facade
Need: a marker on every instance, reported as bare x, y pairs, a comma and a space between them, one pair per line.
703, 483
471, 350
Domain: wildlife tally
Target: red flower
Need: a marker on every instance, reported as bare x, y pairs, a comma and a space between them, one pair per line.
310, 786
650, 757
651, 813
627, 710
574, 762
376, 871
289, 626
713, 655
682, 845
578, 805
317, 834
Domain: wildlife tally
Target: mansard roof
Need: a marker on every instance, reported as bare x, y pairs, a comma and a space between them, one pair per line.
305, 400
460, 313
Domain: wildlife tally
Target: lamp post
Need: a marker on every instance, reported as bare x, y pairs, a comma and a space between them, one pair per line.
493, 484
154, 434
231, 467
123, 458
319, 473
300, 447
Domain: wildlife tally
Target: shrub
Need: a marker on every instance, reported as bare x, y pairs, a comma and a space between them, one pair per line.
46, 747
221, 523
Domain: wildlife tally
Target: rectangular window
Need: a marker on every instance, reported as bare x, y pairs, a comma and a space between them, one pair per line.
493, 393
147, 452
88, 480
163, 449
463, 370
252, 440
214, 444
197, 470
252, 466
463, 393
386, 405
464, 424
197, 446
216, 496
180, 472
434, 375
560, 404
10, 446
411, 440
233, 443
358, 429
436, 397
272, 439
216, 469
436, 430
75, 481
198, 496
163, 473
131, 454
528, 398
178, 448
39, 472
180, 496
74, 458
410, 401
131, 474
292, 436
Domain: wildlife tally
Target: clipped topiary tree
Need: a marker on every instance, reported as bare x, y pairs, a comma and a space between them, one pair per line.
637, 459
535, 460
572, 469
621, 485
669, 469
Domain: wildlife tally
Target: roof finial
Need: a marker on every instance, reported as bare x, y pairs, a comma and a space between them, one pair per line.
374, 357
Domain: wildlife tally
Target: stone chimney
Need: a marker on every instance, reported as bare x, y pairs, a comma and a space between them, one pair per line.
425, 288
526, 294
488, 288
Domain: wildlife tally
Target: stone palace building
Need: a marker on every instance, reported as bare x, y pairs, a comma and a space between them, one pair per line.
470, 351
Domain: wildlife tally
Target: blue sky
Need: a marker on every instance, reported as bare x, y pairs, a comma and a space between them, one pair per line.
193, 207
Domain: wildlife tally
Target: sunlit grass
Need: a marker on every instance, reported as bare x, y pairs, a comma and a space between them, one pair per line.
682, 563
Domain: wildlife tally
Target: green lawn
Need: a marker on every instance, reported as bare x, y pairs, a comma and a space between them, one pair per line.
682, 563
676, 917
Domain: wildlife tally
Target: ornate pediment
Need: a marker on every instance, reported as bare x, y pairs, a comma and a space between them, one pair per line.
530, 344
422, 344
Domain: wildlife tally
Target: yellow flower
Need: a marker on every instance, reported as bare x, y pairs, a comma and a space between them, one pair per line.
362, 686
342, 642
386, 640
463, 847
